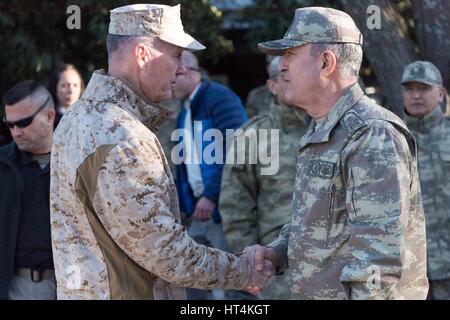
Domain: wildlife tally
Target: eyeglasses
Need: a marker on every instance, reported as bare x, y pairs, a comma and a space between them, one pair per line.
194, 69
25, 122
421, 89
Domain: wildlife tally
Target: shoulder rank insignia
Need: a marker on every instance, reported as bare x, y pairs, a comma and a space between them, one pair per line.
352, 122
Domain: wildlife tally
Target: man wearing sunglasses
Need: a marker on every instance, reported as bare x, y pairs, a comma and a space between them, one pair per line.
26, 263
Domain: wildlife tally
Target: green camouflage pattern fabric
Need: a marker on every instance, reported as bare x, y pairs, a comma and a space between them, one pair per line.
357, 229
315, 25
135, 200
258, 101
422, 71
254, 207
432, 134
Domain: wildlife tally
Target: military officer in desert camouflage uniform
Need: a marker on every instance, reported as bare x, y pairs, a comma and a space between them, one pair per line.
357, 228
422, 93
115, 220
251, 211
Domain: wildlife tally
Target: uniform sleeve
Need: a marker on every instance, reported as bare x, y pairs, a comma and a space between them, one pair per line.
379, 202
238, 205
133, 203
280, 245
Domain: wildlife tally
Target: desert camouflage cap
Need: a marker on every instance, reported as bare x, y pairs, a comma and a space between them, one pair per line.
152, 20
313, 25
422, 71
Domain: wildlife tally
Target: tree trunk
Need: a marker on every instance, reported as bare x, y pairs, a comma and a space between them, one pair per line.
388, 49
432, 22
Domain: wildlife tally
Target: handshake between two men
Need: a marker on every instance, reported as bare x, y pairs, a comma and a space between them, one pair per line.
262, 262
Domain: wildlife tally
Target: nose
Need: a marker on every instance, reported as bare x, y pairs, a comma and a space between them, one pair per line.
416, 94
181, 70
282, 66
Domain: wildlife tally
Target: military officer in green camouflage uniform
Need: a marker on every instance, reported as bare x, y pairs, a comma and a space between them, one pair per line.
251, 211
260, 97
357, 228
422, 94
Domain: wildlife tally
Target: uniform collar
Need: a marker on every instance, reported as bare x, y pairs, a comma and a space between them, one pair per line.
323, 129
429, 121
105, 88
288, 115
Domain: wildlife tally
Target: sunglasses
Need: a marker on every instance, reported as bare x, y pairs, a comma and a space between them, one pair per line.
25, 122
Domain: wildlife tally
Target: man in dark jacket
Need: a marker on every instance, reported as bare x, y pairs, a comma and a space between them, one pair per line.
26, 262
208, 108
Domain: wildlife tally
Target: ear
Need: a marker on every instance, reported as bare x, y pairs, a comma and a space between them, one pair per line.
51, 113
142, 54
271, 85
441, 94
328, 60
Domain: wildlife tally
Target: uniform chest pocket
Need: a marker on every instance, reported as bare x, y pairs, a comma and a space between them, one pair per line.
337, 219
326, 177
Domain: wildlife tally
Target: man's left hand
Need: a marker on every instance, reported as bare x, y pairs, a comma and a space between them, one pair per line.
204, 209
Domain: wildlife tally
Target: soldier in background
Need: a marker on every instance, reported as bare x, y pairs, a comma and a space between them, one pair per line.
422, 94
357, 228
260, 97
251, 211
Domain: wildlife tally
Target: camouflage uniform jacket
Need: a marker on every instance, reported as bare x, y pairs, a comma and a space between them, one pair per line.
357, 229
432, 134
257, 101
254, 207
115, 220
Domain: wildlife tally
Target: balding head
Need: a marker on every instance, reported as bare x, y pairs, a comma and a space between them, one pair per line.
189, 60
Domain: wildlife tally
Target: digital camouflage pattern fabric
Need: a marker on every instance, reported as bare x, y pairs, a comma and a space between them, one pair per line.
432, 134
422, 71
152, 20
357, 229
254, 207
315, 25
258, 101
115, 220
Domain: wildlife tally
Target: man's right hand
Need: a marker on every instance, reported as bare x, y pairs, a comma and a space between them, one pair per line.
262, 262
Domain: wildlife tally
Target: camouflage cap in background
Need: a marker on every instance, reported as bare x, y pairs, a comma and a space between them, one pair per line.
315, 25
423, 72
152, 20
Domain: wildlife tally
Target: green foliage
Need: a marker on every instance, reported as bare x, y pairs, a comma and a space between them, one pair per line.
35, 37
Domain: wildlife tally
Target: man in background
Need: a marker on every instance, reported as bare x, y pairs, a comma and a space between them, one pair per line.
26, 262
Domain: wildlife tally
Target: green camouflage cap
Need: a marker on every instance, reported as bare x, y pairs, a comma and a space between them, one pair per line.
152, 20
315, 25
423, 72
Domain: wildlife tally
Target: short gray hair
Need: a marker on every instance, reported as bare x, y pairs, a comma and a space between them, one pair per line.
348, 56
117, 43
